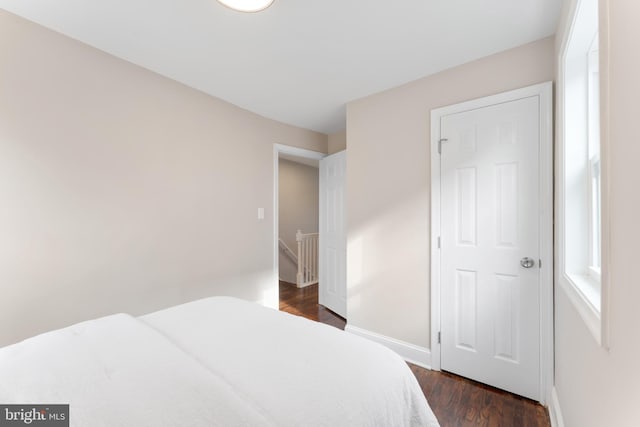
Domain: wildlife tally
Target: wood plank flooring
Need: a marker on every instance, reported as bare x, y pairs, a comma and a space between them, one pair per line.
456, 401
304, 302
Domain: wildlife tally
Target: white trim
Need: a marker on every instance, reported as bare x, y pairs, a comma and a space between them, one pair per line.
555, 414
544, 92
298, 152
411, 353
435, 240
581, 303
546, 243
594, 273
605, 167
597, 324
305, 285
293, 151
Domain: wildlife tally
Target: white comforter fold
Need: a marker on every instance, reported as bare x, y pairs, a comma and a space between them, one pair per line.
298, 372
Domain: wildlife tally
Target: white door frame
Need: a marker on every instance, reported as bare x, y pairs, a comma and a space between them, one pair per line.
293, 151
544, 92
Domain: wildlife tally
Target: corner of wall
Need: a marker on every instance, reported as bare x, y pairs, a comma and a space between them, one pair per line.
337, 142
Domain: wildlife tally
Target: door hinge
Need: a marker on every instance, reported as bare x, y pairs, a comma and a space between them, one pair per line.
440, 144
439, 337
438, 242
539, 263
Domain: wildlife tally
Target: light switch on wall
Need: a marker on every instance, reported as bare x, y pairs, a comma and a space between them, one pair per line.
260, 213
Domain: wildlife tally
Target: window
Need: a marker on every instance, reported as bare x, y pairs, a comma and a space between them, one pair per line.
580, 194
593, 119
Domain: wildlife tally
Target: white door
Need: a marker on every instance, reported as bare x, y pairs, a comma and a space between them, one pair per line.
333, 241
490, 216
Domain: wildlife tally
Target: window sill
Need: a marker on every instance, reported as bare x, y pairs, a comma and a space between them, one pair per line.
595, 273
584, 293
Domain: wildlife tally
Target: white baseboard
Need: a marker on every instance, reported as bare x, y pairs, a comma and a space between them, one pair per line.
304, 286
555, 414
411, 353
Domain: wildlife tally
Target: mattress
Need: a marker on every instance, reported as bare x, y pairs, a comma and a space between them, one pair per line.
214, 362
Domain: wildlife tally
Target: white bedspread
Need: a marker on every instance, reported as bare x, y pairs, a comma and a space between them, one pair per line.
116, 371
297, 372
214, 362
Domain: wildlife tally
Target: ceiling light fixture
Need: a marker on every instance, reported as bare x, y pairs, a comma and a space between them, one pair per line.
247, 5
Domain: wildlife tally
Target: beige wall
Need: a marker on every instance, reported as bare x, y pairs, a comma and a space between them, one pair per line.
287, 268
337, 142
298, 206
122, 190
597, 387
388, 186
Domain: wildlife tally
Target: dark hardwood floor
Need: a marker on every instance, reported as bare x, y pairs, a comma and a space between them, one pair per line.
304, 302
456, 401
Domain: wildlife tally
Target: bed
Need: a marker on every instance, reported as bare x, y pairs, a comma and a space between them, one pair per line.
217, 361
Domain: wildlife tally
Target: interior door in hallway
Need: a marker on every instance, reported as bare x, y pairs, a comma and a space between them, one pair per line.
490, 225
333, 241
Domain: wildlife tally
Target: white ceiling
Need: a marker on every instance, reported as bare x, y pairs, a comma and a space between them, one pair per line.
299, 61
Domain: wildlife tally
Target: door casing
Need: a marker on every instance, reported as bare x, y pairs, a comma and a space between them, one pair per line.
544, 92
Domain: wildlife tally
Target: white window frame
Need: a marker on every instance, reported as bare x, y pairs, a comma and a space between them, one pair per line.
583, 283
595, 217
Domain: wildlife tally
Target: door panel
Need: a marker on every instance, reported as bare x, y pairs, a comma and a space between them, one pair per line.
490, 220
333, 246
466, 284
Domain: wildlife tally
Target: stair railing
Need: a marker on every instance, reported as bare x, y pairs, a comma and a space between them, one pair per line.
307, 259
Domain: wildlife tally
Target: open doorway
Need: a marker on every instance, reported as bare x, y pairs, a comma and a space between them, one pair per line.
297, 260
298, 208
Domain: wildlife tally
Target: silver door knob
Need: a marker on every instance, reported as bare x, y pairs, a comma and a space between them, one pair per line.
527, 262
